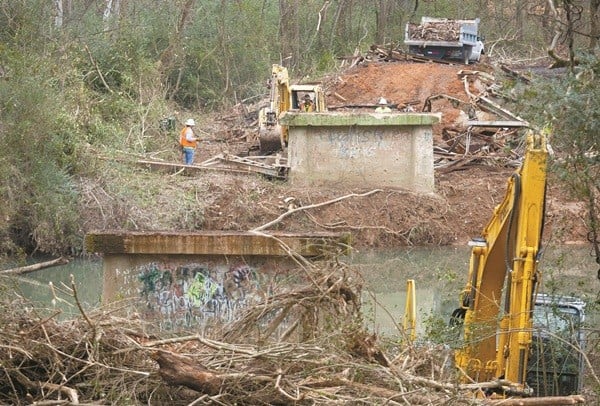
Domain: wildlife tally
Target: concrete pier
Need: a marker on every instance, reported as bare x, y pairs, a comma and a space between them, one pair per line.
376, 150
178, 279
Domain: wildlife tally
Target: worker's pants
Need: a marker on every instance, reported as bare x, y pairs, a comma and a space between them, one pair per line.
188, 154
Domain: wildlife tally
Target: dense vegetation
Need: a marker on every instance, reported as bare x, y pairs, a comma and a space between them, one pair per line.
82, 79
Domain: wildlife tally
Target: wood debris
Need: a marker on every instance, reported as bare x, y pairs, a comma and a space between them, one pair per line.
435, 31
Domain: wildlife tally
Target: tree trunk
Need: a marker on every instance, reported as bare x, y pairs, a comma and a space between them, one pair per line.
520, 9
58, 18
168, 57
383, 11
107, 10
594, 24
35, 267
289, 33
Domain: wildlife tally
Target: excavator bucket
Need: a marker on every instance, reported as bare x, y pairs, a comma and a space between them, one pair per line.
269, 140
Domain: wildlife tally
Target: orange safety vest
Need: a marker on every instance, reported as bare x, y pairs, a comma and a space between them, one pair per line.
183, 140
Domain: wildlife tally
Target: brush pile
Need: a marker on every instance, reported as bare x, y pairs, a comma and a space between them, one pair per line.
305, 346
435, 31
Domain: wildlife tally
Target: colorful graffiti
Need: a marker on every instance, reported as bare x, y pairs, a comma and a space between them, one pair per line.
186, 296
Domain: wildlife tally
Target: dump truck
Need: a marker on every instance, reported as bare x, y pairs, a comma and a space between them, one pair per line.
442, 38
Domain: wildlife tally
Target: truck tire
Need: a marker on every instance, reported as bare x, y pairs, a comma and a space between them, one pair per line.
467, 50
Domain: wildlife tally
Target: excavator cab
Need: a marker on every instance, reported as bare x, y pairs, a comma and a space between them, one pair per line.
283, 97
556, 356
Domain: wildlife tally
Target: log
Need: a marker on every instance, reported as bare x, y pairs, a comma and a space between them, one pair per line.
339, 96
546, 401
515, 74
35, 267
176, 369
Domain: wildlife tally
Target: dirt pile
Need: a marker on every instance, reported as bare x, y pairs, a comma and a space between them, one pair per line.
398, 82
465, 196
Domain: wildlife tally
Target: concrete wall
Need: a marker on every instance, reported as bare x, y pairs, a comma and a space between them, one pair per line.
366, 150
180, 280
176, 292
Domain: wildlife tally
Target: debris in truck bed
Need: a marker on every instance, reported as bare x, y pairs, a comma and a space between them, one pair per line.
435, 31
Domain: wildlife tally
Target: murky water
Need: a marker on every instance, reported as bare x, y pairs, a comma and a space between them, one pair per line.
51, 288
439, 274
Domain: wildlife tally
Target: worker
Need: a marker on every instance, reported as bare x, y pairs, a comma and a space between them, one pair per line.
188, 141
307, 103
383, 106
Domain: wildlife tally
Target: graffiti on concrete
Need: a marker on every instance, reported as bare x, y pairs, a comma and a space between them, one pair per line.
358, 142
187, 295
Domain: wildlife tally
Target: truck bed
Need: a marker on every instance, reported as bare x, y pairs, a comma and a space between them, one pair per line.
450, 33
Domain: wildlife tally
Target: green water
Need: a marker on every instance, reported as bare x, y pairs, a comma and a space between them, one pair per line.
439, 275
52, 288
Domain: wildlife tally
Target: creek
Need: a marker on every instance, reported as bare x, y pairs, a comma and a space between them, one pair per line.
439, 274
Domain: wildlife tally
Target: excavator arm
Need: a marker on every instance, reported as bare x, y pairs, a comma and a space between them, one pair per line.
283, 97
498, 299
270, 131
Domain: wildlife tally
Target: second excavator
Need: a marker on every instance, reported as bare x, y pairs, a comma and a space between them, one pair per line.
283, 97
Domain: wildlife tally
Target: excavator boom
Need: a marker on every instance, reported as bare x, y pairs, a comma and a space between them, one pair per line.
499, 296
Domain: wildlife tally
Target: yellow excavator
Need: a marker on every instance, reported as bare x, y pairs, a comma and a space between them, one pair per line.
509, 329
284, 97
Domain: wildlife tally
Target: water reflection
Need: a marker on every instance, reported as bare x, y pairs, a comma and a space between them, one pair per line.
440, 275
50, 288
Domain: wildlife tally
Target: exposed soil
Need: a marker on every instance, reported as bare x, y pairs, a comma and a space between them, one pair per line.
464, 199
463, 202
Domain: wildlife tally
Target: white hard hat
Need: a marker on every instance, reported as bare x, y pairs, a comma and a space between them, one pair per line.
382, 101
190, 122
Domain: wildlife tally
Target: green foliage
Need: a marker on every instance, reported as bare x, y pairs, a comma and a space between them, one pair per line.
570, 106
438, 331
101, 82
37, 156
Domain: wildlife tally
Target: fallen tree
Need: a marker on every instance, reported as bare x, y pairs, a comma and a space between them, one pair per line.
35, 267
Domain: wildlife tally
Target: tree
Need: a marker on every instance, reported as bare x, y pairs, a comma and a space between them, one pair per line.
570, 106
289, 32
594, 24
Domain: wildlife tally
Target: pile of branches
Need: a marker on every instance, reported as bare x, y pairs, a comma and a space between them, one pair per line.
46, 360
304, 346
459, 148
435, 31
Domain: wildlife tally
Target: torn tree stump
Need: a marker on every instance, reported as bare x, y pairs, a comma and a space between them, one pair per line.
177, 369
